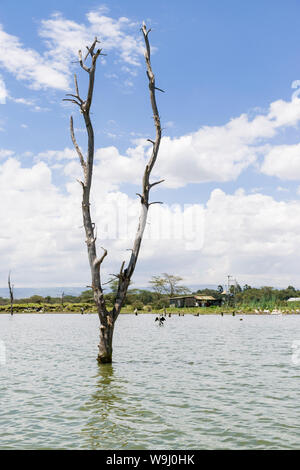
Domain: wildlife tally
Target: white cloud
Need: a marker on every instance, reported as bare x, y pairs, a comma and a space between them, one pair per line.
116, 168
283, 161
114, 35
215, 153
221, 153
27, 64
42, 239
250, 236
284, 113
63, 38
28, 102
24, 101
111, 168
3, 91
57, 155
5, 153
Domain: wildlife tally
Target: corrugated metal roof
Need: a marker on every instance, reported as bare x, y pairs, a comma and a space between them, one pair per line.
197, 297
204, 297
183, 297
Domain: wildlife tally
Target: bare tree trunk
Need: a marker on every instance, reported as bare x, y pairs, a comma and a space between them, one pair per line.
11, 294
108, 318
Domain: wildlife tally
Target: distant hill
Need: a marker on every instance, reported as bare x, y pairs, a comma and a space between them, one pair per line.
25, 292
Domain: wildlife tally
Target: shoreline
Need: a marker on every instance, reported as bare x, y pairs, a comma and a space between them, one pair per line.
180, 314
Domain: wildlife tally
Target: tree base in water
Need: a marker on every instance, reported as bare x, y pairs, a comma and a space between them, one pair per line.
104, 359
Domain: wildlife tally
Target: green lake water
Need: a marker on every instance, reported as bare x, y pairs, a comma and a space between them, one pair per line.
206, 382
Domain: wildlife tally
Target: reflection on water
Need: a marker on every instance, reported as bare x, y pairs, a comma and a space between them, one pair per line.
115, 416
101, 430
206, 382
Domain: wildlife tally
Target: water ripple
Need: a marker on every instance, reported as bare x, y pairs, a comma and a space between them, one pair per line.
205, 382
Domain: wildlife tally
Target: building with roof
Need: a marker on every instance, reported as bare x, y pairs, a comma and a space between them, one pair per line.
193, 301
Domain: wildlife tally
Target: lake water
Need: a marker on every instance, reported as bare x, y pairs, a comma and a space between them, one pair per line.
206, 382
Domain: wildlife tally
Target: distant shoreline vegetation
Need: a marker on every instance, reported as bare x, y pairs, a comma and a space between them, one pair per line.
238, 299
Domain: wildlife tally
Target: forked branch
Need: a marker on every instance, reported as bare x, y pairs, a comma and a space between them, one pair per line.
124, 280
107, 318
87, 167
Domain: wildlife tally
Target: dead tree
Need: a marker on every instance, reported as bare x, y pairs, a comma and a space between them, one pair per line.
11, 294
108, 318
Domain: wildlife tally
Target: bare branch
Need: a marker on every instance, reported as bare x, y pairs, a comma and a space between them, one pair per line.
146, 184
121, 270
156, 182
76, 84
72, 101
107, 282
81, 62
91, 49
82, 184
98, 261
75, 96
95, 56
115, 275
83, 164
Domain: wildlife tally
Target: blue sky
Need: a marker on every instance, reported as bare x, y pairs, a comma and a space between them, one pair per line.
230, 153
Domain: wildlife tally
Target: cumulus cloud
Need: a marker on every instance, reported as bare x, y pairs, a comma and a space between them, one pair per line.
116, 168
252, 236
42, 239
213, 153
284, 113
63, 38
27, 64
114, 34
57, 155
221, 153
283, 161
5, 153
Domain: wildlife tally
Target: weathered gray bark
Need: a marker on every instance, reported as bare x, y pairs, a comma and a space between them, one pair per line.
11, 294
108, 318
